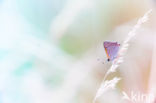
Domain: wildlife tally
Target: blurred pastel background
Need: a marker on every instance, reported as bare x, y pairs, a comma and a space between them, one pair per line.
51, 51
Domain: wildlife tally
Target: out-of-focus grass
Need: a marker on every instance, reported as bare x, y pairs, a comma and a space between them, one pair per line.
40, 13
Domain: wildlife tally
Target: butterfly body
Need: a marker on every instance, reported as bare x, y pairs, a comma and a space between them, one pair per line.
111, 49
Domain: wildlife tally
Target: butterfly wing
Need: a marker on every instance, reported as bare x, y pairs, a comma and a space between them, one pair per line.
111, 49
112, 52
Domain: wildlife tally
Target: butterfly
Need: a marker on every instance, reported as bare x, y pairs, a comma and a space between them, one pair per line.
111, 49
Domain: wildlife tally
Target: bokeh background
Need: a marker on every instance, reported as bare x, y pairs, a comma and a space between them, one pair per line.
51, 51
